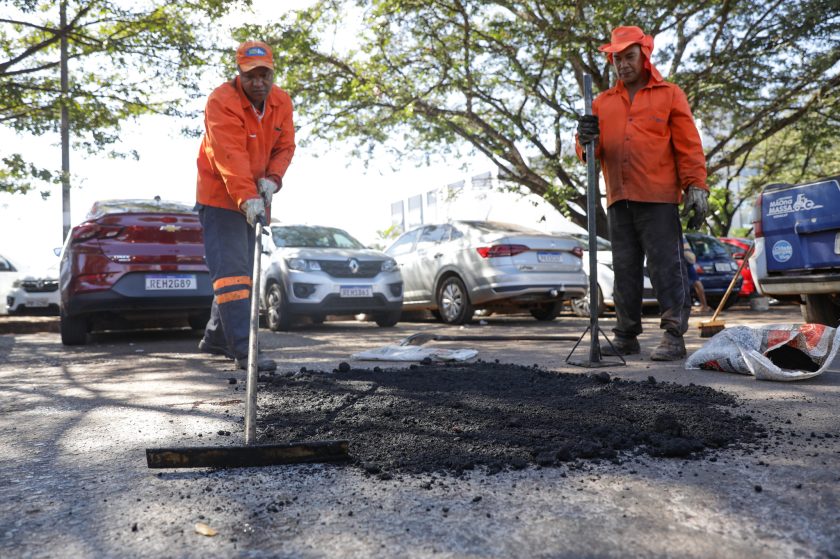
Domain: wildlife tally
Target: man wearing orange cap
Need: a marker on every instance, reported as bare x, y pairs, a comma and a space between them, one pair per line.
248, 144
652, 159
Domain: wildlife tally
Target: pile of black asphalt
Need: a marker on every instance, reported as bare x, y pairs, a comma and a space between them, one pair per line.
455, 417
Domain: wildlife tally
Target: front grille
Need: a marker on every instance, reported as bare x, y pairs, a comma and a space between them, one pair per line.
341, 268
40, 286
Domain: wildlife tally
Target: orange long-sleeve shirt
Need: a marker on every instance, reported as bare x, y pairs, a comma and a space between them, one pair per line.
239, 147
650, 150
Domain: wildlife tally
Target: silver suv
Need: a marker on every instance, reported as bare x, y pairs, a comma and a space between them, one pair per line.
317, 271
456, 268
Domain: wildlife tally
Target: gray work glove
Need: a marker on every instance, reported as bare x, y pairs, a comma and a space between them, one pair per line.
267, 188
587, 129
254, 209
696, 203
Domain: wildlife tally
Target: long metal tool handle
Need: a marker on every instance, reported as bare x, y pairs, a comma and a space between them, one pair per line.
253, 345
592, 193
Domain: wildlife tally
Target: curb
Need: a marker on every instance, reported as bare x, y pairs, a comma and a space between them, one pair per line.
29, 324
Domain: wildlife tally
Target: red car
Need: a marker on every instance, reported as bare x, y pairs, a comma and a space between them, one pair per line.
738, 248
133, 263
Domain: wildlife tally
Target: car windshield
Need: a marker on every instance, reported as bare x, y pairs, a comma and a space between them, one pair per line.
708, 247
305, 236
499, 227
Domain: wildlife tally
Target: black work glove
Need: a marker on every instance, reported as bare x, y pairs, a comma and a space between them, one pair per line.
587, 129
696, 203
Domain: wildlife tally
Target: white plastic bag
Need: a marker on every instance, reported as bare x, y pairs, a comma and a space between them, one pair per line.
414, 353
781, 352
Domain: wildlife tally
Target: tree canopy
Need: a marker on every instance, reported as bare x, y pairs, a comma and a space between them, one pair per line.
503, 78
126, 59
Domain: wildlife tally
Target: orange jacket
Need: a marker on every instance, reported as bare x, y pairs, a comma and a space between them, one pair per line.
650, 151
238, 148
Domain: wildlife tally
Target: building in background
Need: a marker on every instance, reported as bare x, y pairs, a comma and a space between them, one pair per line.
479, 197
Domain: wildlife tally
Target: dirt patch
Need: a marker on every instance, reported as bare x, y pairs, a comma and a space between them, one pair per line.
452, 418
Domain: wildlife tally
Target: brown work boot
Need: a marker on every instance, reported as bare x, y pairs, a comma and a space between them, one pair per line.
670, 348
621, 346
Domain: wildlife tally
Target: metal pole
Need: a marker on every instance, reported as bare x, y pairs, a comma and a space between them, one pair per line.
65, 127
592, 195
253, 346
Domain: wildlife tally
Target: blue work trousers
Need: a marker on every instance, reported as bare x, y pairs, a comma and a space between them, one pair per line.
229, 251
639, 230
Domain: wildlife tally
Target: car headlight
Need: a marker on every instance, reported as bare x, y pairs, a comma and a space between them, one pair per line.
389, 265
303, 265
16, 283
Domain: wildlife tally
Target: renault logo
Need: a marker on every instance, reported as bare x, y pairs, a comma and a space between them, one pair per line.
353, 264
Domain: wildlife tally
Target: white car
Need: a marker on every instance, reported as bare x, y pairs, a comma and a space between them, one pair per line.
606, 280
23, 292
316, 271
453, 269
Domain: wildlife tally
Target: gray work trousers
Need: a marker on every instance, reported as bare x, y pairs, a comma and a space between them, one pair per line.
652, 230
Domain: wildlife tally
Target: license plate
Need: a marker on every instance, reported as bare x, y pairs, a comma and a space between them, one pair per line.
550, 257
723, 267
171, 282
356, 291
37, 303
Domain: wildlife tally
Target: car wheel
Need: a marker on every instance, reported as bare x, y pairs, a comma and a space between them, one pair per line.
821, 309
387, 319
547, 312
277, 315
580, 306
74, 330
198, 321
453, 302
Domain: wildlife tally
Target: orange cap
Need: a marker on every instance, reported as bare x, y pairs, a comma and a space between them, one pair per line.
623, 37
252, 54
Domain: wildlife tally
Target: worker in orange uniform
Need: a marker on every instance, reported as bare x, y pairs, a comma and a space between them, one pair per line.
652, 158
248, 144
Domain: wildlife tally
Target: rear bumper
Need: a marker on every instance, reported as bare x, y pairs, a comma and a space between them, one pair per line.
530, 288
108, 302
811, 284
129, 295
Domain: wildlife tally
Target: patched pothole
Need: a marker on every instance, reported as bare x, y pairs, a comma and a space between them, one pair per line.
455, 417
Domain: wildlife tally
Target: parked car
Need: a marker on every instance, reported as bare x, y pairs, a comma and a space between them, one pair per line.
8, 275
133, 263
454, 269
35, 292
738, 248
606, 280
797, 247
317, 271
715, 267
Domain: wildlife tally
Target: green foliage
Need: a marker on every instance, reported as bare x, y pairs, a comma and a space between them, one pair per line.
125, 58
503, 77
